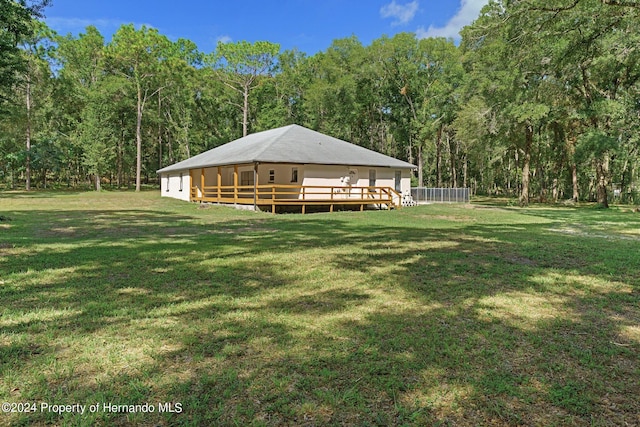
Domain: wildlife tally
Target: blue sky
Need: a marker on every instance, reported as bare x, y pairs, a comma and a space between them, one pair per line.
310, 26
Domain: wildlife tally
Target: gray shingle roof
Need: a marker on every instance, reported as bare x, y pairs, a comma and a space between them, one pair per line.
289, 144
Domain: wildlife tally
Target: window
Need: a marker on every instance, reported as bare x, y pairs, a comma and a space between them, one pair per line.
272, 176
294, 174
180, 189
372, 177
398, 181
246, 178
168, 181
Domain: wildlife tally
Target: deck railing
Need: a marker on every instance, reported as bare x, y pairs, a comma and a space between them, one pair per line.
304, 195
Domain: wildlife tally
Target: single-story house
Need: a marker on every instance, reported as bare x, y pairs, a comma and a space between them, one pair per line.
292, 166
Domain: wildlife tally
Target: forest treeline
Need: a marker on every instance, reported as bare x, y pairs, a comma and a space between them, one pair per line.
540, 100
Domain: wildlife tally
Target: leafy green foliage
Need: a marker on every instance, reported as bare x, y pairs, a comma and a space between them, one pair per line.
242, 66
515, 110
17, 21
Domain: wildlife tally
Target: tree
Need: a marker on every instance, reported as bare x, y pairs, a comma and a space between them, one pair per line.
35, 49
539, 99
82, 61
240, 66
19, 28
138, 55
176, 106
420, 79
17, 18
598, 61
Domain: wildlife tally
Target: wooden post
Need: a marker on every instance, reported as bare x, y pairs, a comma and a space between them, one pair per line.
332, 189
255, 186
219, 183
235, 183
201, 184
273, 199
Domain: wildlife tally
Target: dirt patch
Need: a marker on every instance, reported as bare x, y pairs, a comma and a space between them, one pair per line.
452, 218
242, 230
520, 260
4, 248
585, 232
59, 232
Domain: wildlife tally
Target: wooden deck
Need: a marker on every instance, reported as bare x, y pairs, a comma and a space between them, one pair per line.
272, 196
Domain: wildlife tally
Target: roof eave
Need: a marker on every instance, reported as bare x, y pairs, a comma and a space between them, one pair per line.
282, 162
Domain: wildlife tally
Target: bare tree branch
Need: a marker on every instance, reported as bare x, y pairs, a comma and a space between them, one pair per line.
555, 9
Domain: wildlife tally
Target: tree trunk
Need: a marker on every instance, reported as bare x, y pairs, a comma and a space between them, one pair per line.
139, 139
516, 158
159, 131
245, 111
574, 181
601, 183
540, 172
28, 136
98, 186
571, 151
464, 171
187, 148
410, 150
439, 157
509, 176
120, 159
420, 168
170, 149
526, 165
453, 151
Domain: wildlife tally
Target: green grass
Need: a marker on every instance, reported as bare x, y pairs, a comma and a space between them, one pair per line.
435, 315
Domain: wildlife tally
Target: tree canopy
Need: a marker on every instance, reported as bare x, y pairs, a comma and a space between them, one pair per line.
538, 101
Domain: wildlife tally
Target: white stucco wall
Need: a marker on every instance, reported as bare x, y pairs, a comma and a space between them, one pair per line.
282, 173
308, 175
358, 176
336, 176
170, 185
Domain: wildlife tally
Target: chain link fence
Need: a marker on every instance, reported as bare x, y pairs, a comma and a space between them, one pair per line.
440, 195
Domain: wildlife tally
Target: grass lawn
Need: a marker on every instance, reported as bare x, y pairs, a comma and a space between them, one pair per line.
435, 315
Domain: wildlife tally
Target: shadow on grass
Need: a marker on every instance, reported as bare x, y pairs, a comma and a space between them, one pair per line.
325, 320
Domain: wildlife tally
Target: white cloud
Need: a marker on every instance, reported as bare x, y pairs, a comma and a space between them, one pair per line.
469, 10
79, 25
402, 14
75, 25
224, 39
